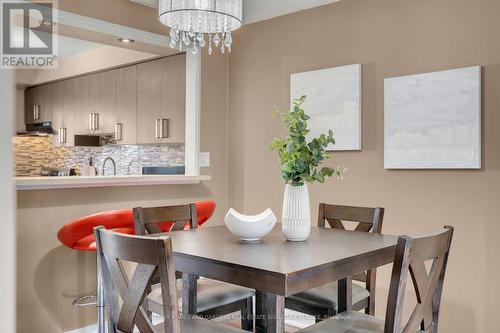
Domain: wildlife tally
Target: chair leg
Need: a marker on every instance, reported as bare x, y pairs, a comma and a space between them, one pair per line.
100, 303
247, 315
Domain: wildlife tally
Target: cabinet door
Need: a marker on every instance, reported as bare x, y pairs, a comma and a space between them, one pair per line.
149, 87
57, 111
103, 94
29, 103
69, 108
83, 105
40, 96
126, 103
174, 97
44, 99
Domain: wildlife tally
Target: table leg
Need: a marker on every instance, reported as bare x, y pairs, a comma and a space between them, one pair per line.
345, 294
189, 295
270, 313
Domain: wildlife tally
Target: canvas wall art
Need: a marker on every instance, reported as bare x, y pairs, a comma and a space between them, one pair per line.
433, 120
334, 101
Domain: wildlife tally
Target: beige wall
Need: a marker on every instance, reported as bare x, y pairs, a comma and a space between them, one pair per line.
7, 202
50, 276
390, 38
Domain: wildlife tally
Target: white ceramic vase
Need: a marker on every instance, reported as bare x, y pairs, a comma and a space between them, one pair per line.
296, 225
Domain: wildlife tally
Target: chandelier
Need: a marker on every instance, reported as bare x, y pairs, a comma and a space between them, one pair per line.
197, 23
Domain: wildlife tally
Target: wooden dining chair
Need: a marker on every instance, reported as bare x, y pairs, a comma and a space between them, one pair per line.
214, 298
152, 255
409, 261
322, 302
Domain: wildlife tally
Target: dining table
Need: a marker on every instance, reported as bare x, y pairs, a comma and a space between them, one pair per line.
276, 268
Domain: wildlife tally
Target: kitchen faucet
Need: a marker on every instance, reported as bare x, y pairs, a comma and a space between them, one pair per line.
104, 165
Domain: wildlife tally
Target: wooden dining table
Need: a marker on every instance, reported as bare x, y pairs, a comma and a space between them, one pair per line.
276, 268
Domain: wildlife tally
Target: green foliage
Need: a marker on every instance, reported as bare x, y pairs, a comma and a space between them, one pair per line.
300, 160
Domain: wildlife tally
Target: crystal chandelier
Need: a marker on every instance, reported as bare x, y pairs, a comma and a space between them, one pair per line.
197, 23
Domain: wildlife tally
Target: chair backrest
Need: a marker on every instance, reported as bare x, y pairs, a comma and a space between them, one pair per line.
411, 256
150, 220
151, 255
369, 220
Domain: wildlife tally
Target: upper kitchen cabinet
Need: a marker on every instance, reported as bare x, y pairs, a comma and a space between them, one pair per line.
106, 102
103, 96
149, 108
174, 97
64, 108
84, 105
38, 104
124, 119
161, 100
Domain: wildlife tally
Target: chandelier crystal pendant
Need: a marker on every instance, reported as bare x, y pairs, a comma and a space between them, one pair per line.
197, 23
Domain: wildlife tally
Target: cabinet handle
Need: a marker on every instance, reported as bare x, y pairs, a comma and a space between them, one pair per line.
164, 128
62, 135
158, 128
118, 132
36, 112
96, 121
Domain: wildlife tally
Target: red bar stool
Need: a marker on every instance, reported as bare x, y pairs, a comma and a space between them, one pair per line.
79, 235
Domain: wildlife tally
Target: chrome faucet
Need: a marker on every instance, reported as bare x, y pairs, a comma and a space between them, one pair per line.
104, 165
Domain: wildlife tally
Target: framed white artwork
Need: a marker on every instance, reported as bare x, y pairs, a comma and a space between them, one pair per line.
334, 101
433, 120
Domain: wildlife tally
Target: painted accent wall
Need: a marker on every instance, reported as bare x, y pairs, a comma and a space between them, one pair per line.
390, 38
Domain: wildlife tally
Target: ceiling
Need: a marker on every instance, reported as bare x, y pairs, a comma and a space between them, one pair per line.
260, 10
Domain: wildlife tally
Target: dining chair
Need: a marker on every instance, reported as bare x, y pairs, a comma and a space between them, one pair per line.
410, 260
214, 298
152, 256
322, 302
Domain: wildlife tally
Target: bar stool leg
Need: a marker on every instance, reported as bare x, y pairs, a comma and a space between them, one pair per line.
101, 320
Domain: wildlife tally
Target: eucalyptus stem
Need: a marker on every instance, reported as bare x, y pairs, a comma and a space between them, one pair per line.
300, 160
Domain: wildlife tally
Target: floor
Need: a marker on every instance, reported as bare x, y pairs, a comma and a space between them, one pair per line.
294, 321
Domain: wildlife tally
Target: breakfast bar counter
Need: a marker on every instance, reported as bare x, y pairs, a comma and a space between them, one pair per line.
44, 183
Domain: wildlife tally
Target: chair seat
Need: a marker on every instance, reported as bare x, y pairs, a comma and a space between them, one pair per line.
326, 296
197, 325
211, 294
347, 322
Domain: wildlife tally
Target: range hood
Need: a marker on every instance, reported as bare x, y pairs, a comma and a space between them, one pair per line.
38, 129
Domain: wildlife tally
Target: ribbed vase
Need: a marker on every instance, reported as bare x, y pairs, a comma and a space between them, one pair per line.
296, 224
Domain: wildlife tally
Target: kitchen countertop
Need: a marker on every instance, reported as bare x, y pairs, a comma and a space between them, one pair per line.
43, 183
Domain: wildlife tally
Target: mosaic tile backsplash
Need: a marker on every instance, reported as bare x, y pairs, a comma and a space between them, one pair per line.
32, 154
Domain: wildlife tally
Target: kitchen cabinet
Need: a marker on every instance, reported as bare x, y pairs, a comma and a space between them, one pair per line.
147, 101
103, 96
83, 105
161, 98
174, 97
38, 104
126, 104
149, 108
64, 105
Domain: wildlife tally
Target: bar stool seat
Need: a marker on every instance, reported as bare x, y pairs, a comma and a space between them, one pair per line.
79, 234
